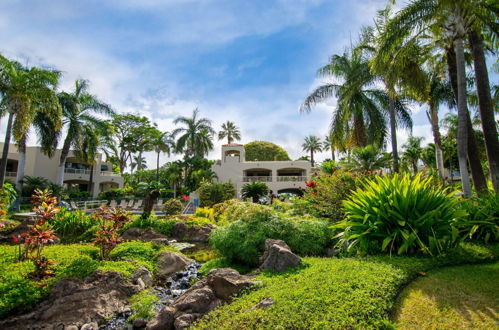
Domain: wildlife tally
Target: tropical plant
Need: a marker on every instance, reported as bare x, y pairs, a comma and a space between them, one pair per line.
163, 143
195, 138
215, 193
264, 151
8, 195
255, 191
230, 131
152, 190
413, 151
172, 207
364, 159
139, 163
71, 226
312, 144
482, 222
330, 144
79, 108
400, 214
110, 221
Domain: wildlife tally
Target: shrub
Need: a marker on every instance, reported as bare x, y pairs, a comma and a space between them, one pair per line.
143, 305
214, 193
75, 194
205, 212
400, 214
110, 222
8, 195
173, 207
71, 226
220, 208
81, 267
115, 193
162, 226
482, 222
145, 251
255, 191
326, 193
243, 240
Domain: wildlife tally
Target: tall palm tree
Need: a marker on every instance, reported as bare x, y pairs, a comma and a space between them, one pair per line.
329, 144
368, 158
25, 92
139, 162
164, 143
413, 151
79, 109
230, 131
195, 138
312, 144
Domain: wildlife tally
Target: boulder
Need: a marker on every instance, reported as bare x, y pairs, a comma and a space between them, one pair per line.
182, 232
22, 227
145, 235
267, 302
278, 256
204, 296
170, 263
144, 275
78, 302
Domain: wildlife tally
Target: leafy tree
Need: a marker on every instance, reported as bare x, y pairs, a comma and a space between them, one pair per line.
195, 138
330, 144
79, 108
230, 131
214, 193
312, 144
264, 151
255, 191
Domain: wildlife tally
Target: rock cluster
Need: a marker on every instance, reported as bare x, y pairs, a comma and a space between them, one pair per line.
204, 296
170, 263
145, 235
278, 256
182, 232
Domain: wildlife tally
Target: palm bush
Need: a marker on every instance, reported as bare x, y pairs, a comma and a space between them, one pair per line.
255, 191
400, 214
482, 222
173, 207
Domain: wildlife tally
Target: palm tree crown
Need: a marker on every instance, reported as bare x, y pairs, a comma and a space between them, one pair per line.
312, 144
230, 131
195, 138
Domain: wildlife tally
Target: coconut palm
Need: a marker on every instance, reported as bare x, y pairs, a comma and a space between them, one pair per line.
139, 163
79, 109
195, 138
163, 143
368, 158
329, 144
413, 151
230, 131
312, 144
24, 93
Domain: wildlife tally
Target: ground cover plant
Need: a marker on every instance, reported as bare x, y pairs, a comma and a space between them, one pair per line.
334, 293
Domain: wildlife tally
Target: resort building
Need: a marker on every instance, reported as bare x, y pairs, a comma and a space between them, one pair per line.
76, 173
280, 176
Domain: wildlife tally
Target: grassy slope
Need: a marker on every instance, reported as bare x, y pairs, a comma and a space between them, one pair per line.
462, 297
332, 293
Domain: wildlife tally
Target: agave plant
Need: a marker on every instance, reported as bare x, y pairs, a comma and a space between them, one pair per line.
401, 214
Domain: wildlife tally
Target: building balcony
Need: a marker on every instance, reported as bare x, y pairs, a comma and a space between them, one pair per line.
286, 178
257, 179
108, 173
76, 171
291, 178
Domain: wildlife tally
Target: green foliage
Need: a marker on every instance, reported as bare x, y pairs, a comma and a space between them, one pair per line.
400, 214
205, 212
145, 251
173, 207
71, 226
365, 159
482, 222
329, 167
115, 193
243, 240
329, 293
76, 194
8, 195
255, 191
264, 151
222, 263
160, 225
220, 208
143, 305
326, 193
81, 267
214, 193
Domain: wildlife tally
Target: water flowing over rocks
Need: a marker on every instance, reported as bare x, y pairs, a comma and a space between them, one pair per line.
278, 256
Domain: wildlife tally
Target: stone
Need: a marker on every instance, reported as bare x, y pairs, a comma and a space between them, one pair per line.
81, 302
196, 301
90, 326
145, 235
170, 263
144, 275
182, 232
23, 227
278, 256
71, 327
267, 302
139, 323
226, 281
163, 320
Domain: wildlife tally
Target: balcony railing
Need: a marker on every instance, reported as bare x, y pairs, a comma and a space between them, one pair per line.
76, 171
11, 174
257, 179
291, 178
108, 173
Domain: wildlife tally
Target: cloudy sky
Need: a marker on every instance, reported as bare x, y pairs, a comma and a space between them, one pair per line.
251, 62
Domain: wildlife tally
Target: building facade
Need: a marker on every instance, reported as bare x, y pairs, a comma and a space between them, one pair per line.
76, 173
280, 176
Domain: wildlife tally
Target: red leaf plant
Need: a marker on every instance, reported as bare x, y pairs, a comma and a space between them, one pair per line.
110, 221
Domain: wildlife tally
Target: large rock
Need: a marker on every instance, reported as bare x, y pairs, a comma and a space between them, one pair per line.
278, 256
204, 296
75, 302
145, 235
183, 232
170, 263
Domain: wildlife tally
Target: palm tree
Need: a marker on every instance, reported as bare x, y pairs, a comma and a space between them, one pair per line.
139, 163
164, 143
195, 139
368, 158
413, 151
329, 144
25, 92
312, 144
230, 131
255, 191
79, 108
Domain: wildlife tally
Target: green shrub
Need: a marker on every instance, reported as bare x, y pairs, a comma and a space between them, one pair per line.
220, 208
76, 194
143, 305
255, 191
70, 226
115, 193
160, 225
146, 251
243, 240
482, 222
214, 193
81, 267
173, 207
264, 151
8, 195
400, 214
205, 212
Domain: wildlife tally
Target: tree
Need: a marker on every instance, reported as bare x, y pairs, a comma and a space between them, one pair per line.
195, 138
24, 93
163, 143
230, 131
413, 151
312, 144
367, 158
255, 191
214, 193
264, 151
79, 108
139, 163
329, 144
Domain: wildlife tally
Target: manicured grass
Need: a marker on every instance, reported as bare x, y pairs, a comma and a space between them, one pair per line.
463, 297
333, 293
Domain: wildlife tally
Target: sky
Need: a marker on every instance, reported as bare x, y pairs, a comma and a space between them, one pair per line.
250, 62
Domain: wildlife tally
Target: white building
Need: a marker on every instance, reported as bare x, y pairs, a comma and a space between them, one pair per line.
76, 174
280, 176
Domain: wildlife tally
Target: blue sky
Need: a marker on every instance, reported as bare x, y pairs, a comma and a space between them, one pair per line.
252, 62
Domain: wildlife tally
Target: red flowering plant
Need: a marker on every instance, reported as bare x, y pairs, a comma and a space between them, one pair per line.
110, 221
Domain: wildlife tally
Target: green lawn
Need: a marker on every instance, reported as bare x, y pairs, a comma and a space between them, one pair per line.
464, 297
336, 293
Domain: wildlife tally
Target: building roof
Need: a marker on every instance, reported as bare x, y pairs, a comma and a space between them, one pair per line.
233, 145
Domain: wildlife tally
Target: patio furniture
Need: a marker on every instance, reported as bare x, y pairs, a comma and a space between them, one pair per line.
122, 204
137, 205
113, 204
73, 205
130, 204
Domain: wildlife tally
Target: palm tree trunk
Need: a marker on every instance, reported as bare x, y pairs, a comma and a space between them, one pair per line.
157, 168
5, 152
21, 164
91, 180
332, 153
485, 107
462, 113
393, 133
312, 157
473, 157
62, 161
439, 156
